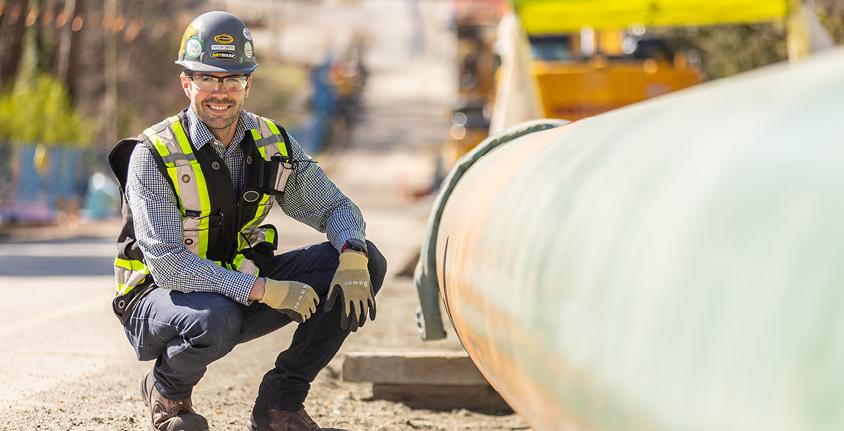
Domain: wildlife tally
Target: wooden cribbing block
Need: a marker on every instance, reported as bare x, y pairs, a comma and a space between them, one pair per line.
412, 368
443, 397
427, 380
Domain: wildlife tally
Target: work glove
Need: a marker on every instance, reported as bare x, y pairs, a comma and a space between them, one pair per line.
351, 284
297, 300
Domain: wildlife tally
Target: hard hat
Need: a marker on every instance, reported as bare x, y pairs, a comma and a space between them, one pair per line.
217, 42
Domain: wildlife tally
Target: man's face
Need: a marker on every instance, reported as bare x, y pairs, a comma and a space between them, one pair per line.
217, 104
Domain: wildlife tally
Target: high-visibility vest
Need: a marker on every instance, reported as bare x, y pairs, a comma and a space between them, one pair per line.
183, 169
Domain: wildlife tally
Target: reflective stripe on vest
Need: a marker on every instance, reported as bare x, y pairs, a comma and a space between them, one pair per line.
267, 138
191, 190
192, 195
184, 171
129, 274
268, 146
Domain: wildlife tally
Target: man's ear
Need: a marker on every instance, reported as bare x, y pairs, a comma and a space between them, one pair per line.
248, 86
185, 84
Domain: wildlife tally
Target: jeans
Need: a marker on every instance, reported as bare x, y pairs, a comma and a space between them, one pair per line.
184, 332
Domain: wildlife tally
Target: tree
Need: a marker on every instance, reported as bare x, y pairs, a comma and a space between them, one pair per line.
13, 15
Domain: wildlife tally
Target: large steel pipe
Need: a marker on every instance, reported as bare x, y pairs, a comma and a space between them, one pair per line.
674, 265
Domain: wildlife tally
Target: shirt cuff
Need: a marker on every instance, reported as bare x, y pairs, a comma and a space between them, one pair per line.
346, 235
238, 286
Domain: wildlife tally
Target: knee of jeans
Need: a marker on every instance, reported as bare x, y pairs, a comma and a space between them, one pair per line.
218, 326
377, 265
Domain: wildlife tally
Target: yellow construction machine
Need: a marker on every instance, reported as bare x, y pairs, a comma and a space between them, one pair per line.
586, 73
573, 59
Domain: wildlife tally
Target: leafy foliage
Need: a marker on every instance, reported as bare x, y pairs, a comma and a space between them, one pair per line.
39, 111
726, 50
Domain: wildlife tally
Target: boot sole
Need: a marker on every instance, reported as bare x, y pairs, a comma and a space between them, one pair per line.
145, 394
144, 391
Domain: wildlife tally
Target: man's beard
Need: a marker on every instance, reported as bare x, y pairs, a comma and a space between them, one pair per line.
215, 120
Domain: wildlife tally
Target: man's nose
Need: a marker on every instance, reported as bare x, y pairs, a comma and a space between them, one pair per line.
219, 87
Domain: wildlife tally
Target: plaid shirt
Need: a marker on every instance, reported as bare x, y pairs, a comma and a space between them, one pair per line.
309, 197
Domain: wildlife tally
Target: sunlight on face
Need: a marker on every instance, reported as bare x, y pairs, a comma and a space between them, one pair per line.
217, 107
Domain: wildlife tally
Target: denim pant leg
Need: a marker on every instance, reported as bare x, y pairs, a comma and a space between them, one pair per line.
315, 341
183, 332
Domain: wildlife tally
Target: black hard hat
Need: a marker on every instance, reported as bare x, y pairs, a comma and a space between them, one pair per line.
217, 42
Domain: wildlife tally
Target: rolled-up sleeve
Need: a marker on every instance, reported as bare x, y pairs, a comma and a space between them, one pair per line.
158, 230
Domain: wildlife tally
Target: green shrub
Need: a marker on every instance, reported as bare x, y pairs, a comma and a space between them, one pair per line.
39, 111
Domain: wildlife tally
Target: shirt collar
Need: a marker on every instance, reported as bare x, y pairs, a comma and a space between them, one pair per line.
200, 135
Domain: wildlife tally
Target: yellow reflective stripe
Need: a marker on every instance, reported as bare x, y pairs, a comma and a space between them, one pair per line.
267, 149
244, 265
282, 149
269, 130
269, 236
238, 260
157, 142
191, 192
181, 138
201, 188
163, 151
256, 136
129, 274
132, 265
260, 213
263, 209
123, 289
204, 224
262, 203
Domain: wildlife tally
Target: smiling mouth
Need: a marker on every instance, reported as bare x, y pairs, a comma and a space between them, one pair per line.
218, 107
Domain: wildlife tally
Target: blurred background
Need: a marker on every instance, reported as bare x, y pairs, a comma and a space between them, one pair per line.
78, 75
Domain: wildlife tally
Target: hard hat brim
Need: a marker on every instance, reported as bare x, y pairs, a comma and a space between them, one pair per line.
195, 66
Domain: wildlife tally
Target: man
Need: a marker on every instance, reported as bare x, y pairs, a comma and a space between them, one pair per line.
196, 273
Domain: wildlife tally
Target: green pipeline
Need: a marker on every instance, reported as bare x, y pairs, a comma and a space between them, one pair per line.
674, 265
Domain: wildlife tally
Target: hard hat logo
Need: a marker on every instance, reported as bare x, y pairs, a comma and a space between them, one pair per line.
189, 33
224, 39
193, 49
217, 42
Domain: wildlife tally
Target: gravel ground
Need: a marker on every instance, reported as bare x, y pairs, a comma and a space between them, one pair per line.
108, 399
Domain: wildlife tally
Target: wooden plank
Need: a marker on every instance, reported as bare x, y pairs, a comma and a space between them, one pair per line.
412, 368
443, 397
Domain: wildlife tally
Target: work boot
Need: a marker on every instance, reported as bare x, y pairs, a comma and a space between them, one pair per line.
170, 415
281, 420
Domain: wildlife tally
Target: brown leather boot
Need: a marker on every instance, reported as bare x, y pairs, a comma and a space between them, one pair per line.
280, 420
170, 415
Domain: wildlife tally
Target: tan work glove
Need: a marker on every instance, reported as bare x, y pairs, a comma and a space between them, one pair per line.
352, 285
297, 300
